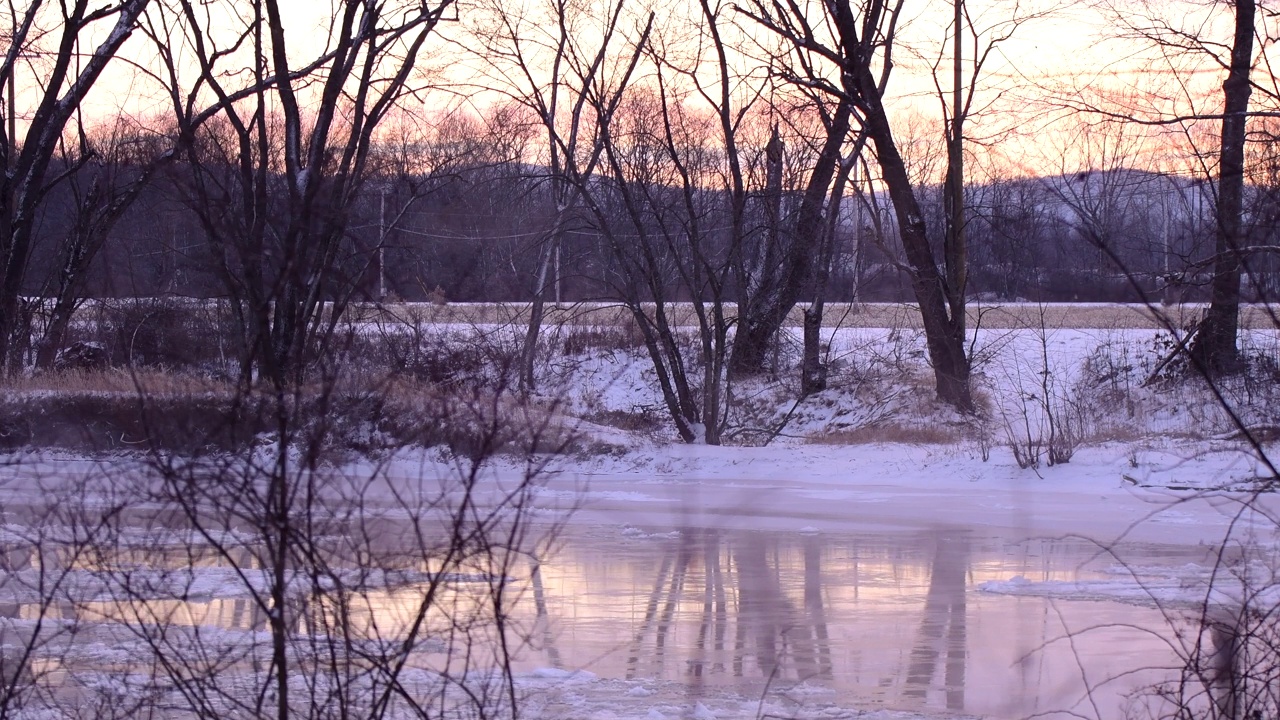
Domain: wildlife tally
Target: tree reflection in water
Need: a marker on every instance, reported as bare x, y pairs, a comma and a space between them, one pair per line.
736, 583
768, 595
542, 619
941, 638
876, 620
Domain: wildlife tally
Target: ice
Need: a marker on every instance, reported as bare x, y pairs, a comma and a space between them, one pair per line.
547, 673
639, 691
824, 565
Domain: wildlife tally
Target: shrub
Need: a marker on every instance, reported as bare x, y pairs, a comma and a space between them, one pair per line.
162, 332
581, 340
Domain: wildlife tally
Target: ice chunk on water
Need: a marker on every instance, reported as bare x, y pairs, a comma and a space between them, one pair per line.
638, 691
561, 674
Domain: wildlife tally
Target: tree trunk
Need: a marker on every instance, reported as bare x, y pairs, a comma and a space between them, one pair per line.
675, 392
767, 306
955, 254
529, 351
944, 333
11, 325
813, 373
82, 246
55, 335
1214, 350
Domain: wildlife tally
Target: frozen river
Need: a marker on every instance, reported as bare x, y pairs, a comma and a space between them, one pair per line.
625, 621
816, 582
820, 623
695, 592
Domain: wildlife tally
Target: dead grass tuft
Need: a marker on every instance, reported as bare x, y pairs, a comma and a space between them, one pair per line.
363, 414
641, 420
893, 432
578, 341
147, 381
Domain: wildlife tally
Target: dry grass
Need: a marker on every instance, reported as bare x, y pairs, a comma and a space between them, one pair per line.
112, 411
995, 316
893, 432
115, 381
1126, 434
861, 315
157, 382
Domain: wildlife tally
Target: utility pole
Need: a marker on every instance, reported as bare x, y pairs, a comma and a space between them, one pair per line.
954, 252
11, 107
382, 246
857, 235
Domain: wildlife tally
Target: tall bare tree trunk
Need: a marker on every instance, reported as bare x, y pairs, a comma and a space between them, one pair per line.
944, 333
529, 351
780, 286
813, 372
1214, 350
955, 254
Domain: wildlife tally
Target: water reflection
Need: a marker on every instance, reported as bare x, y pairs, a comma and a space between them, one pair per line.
542, 619
941, 639
888, 620
729, 588
757, 606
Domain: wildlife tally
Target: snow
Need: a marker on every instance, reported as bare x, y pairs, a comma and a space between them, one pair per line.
1158, 485
561, 675
822, 488
1125, 591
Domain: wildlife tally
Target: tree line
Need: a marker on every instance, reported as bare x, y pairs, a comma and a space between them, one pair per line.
463, 237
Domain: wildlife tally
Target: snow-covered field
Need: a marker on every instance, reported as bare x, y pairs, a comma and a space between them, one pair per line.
879, 557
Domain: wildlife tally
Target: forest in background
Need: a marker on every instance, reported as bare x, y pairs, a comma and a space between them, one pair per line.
470, 234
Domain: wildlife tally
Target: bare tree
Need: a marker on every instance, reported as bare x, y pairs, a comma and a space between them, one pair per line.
48, 540
47, 48
675, 235
347, 582
856, 43
1215, 346
1185, 46
106, 172
777, 276
844, 52
441, 185
553, 58
1009, 236
689, 201
1113, 203
273, 181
